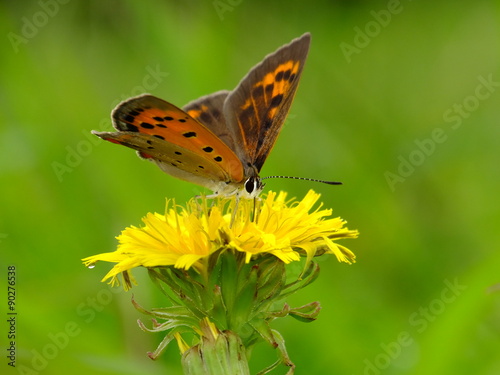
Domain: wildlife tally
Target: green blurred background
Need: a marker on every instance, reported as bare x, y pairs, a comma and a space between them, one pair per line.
399, 100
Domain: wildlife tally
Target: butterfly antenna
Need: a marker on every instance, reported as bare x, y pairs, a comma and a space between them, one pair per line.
305, 179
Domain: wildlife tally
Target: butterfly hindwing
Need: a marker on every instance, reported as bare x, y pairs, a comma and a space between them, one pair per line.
257, 108
209, 111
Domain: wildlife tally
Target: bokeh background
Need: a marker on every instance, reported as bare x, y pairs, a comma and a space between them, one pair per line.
398, 99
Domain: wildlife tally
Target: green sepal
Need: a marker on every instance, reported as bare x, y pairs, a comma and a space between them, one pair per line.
187, 291
192, 362
271, 280
306, 313
308, 276
228, 280
261, 326
284, 359
161, 347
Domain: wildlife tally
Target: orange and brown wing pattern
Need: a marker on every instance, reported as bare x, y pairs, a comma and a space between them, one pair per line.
257, 108
209, 111
161, 131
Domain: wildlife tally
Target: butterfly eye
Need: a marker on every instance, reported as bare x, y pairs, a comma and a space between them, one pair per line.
250, 185
253, 184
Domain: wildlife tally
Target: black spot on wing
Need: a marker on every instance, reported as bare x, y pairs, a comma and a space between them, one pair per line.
267, 124
189, 134
205, 117
286, 74
208, 149
131, 128
147, 125
276, 100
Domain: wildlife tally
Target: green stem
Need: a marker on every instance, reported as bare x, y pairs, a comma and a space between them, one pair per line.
224, 355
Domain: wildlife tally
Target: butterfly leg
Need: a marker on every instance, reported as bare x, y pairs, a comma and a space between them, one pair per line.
254, 213
235, 210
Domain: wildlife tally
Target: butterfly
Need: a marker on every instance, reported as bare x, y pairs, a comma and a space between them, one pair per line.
219, 141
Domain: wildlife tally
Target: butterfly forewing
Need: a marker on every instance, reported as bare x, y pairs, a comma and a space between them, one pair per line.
168, 157
257, 108
169, 134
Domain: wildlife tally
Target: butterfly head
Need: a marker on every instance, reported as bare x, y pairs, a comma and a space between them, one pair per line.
249, 188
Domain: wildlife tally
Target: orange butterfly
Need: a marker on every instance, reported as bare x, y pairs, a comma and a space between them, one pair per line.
219, 141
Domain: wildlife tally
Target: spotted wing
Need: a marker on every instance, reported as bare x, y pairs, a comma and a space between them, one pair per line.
209, 111
161, 132
256, 110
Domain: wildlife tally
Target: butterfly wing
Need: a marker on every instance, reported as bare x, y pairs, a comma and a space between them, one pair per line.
178, 143
256, 110
208, 110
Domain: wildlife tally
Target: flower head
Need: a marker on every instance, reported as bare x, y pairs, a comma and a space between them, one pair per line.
186, 237
223, 266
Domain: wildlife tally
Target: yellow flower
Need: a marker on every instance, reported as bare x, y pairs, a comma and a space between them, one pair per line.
186, 237
282, 228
